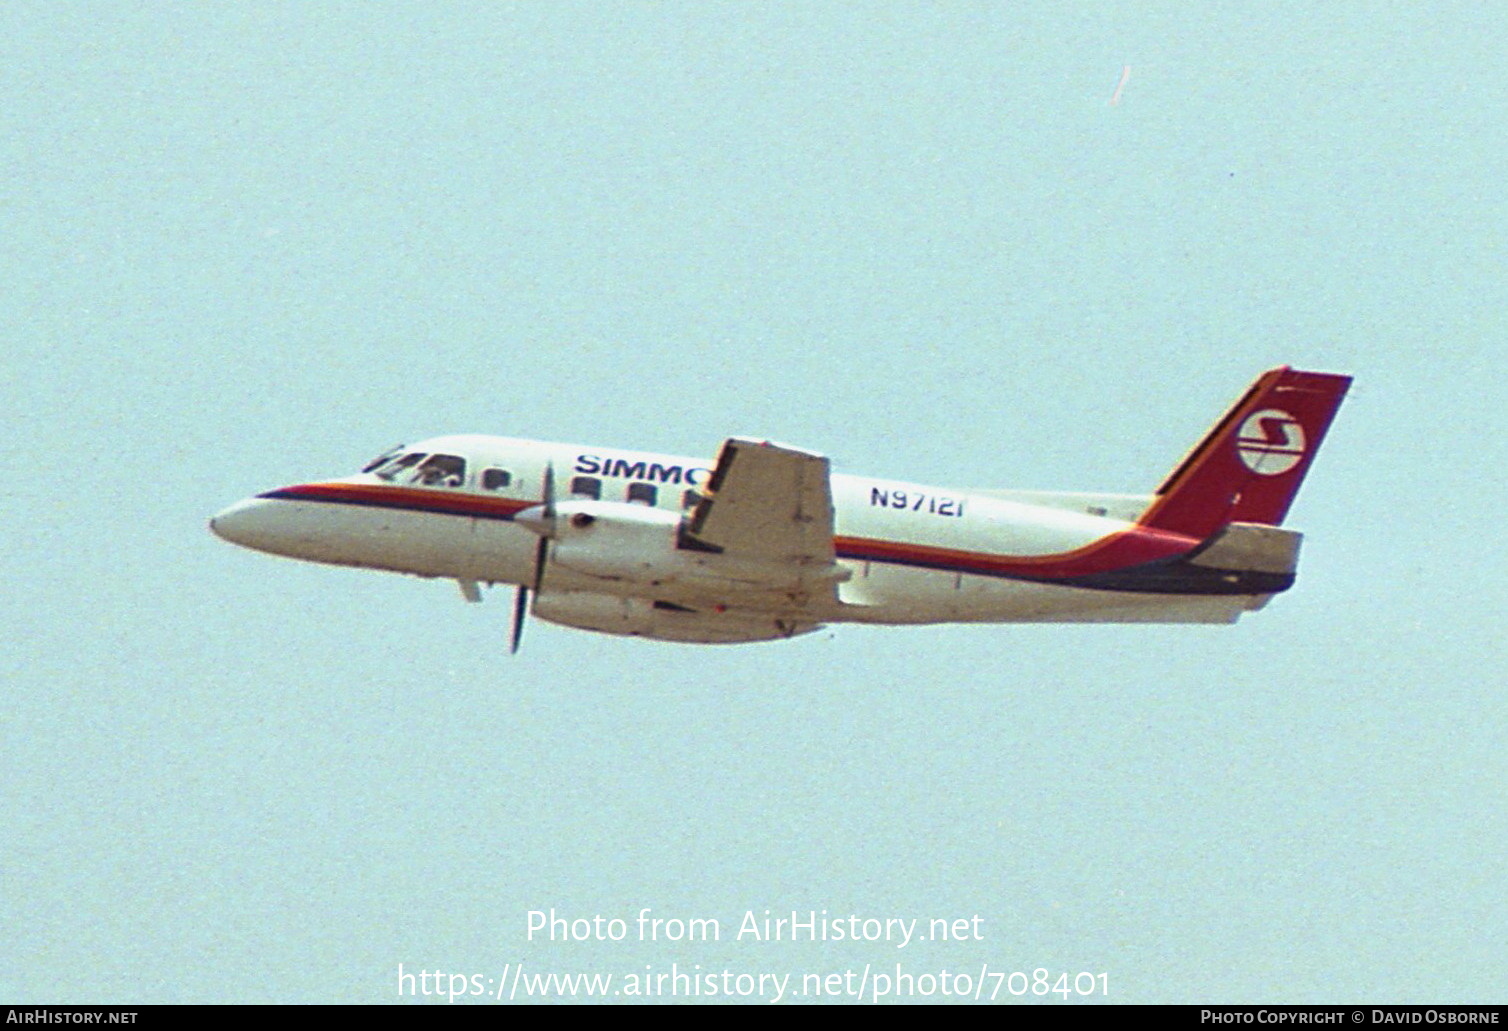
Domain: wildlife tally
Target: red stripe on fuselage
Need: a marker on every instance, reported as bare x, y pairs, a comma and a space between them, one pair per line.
1132, 547
412, 499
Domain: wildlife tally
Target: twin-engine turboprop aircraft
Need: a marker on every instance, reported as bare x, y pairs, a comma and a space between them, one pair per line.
765, 542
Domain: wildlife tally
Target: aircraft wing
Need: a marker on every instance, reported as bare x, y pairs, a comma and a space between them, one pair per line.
768, 506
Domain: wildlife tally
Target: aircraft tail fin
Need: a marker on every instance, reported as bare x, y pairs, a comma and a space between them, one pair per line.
1248, 468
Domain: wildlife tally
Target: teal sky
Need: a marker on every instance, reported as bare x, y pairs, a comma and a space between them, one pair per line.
256, 244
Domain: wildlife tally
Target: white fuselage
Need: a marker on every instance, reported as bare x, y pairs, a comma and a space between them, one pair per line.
905, 553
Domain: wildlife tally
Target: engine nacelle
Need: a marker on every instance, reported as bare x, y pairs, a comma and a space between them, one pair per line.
642, 546
661, 621
615, 541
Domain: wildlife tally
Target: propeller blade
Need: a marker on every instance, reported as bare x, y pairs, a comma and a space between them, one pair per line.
541, 556
520, 610
542, 553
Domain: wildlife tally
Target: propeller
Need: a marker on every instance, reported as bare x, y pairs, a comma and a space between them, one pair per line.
542, 522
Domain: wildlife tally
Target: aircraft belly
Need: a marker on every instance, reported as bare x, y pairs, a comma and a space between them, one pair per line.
992, 600
899, 595
1152, 608
879, 592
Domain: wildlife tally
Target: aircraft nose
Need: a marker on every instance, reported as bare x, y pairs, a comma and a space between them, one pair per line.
254, 523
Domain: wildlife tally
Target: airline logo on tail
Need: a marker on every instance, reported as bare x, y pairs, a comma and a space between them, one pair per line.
1249, 466
1270, 442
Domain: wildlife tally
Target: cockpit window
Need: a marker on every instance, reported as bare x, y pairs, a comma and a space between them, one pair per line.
442, 471
391, 470
382, 459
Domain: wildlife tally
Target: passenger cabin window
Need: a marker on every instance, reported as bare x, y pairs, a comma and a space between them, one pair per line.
390, 471
643, 493
586, 487
496, 479
441, 471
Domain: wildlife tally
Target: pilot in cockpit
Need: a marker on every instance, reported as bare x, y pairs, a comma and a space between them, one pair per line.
418, 468
442, 471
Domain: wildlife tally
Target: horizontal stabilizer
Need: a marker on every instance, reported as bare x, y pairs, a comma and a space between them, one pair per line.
1248, 548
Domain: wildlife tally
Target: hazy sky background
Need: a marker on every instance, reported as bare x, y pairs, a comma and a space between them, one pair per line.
256, 244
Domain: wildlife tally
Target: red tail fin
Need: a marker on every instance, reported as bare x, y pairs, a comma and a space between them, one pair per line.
1249, 467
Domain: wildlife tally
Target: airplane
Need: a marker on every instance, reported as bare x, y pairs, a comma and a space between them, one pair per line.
765, 542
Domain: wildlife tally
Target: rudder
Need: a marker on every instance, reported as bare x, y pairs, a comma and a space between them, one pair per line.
1248, 468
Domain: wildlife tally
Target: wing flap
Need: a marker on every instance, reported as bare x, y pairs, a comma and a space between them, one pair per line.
768, 504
